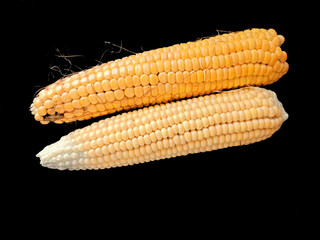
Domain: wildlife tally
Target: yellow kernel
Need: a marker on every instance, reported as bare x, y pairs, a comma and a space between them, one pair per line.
50, 92
163, 77
90, 88
175, 90
138, 69
66, 87
154, 91
138, 91
146, 68
101, 97
105, 84
110, 96
153, 79
93, 98
123, 71
179, 77
114, 84
84, 101
144, 79
97, 86
128, 81
129, 92
171, 77
195, 64
160, 65
130, 69
38, 103
59, 108
74, 94
68, 107
153, 68
174, 65
121, 83
41, 111
222, 61
188, 64
146, 91
136, 81
180, 64
92, 108
76, 103
48, 104
92, 78
65, 97
118, 94
167, 65
115, 73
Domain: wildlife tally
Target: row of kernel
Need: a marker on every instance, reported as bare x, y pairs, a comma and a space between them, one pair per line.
69, 108
142, 151
179, 124
219, 48
242, 35
230, 37
207, 101
138, 128
147, 152
135, 156
145, 91
187, 76
89, 91
141, 146
171, 53
189, 64
149, 70
216, 75
191, 50
223, 48
221, 134
171, 65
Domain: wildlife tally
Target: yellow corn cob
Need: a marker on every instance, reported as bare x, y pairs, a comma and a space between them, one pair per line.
211, 122
250, 57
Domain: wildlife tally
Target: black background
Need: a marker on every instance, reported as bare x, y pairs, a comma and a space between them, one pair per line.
267, 189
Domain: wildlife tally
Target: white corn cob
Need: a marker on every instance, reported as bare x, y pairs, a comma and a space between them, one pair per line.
232, 118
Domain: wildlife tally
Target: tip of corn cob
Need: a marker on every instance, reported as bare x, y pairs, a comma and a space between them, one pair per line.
284, 114
277, 103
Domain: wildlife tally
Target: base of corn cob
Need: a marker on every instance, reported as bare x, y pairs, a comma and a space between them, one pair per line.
232, 118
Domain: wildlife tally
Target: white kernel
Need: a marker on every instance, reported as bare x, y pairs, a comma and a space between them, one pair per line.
135, 143
147, 139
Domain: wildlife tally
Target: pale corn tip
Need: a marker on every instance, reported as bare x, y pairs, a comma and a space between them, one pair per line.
284, 114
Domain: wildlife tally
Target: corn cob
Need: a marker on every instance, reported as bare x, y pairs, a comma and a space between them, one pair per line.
250, 57
231, 118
